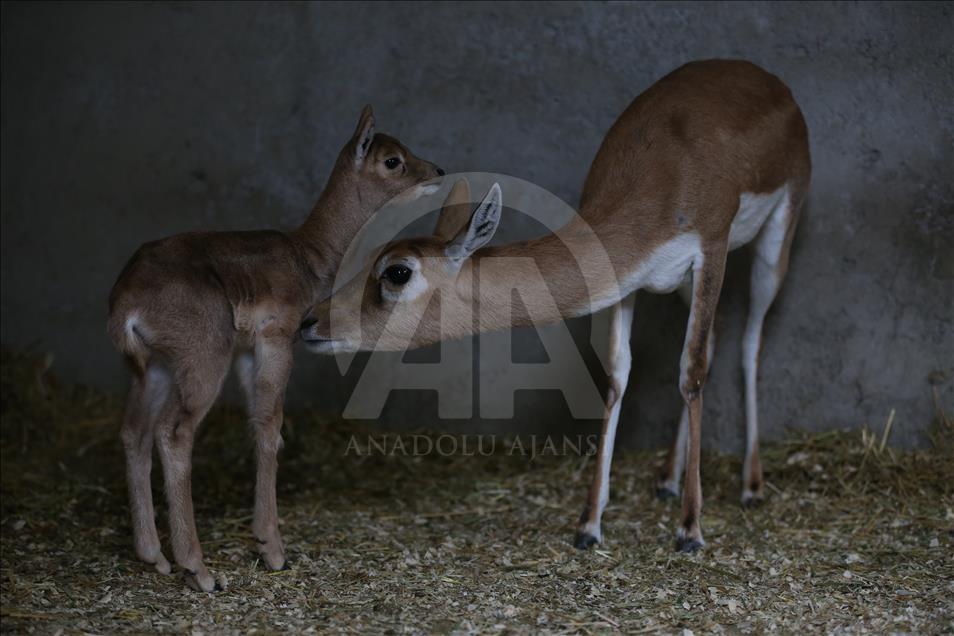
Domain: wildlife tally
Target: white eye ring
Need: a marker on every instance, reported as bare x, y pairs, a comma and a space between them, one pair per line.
408, 281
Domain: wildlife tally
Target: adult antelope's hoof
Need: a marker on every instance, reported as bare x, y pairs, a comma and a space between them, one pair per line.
750, 500
664, 493
584, 540
688, 545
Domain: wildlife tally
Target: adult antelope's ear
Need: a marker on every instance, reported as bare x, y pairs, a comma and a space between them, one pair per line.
481, 229
455, 213
363, 134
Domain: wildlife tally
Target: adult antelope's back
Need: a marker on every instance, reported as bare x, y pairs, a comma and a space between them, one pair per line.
711, 157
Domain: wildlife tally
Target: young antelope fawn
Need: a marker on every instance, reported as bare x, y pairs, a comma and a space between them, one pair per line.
713, 156
186, 306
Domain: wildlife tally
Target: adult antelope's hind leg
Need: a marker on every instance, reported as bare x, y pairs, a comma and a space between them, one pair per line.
769, 265
266, 375
147, 394
706, 287
197, 382
670, 477
620, 358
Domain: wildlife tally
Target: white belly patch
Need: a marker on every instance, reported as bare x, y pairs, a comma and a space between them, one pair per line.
667, 267
754, 209
670, 264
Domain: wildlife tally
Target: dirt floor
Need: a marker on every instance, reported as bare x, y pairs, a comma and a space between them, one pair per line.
853, 538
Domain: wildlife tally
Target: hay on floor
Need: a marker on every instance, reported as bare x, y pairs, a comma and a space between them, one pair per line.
854, 536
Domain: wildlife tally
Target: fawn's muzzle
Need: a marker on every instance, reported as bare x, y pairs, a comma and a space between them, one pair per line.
308, 330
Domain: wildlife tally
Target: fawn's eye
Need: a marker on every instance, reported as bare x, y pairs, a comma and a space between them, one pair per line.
398, 274
391, 163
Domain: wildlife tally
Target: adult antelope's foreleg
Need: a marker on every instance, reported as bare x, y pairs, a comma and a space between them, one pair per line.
707, 276
147, 394
769, 265
267, 377
620, 359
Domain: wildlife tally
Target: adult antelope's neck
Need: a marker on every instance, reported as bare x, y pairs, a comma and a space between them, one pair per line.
327, 233
569, 273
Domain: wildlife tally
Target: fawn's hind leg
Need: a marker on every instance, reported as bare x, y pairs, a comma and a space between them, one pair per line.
147, 395
197, 383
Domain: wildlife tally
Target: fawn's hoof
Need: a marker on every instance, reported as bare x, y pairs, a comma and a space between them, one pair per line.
154, 557
272, 553
274, 560
202, 581
162, 565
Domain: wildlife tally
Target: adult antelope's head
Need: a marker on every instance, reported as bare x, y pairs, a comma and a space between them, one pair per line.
415, 291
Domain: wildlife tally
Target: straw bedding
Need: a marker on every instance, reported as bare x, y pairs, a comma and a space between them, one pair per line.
854, 536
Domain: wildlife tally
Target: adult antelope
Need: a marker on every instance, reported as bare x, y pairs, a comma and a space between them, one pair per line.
184, 307
711, 157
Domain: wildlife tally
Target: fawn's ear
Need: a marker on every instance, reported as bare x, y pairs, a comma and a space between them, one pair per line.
455, 213
483, 225
363, 134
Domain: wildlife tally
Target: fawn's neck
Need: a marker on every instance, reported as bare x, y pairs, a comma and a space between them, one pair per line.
335, 220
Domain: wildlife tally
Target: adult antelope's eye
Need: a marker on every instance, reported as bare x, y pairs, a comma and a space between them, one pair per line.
398, 274
392, 163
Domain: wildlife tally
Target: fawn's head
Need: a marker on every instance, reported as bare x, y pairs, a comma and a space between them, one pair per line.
378, 168
388, 306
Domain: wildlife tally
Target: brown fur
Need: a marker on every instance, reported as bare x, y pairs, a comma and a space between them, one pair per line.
185, 306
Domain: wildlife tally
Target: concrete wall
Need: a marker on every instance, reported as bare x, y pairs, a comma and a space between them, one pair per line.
123, 123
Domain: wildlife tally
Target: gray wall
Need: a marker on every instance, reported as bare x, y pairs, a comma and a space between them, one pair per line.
123, 123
